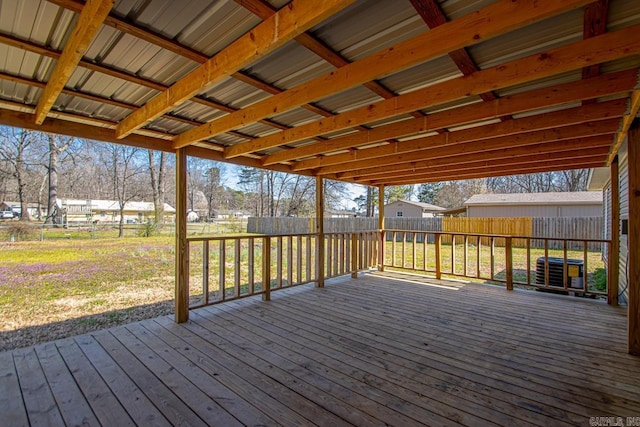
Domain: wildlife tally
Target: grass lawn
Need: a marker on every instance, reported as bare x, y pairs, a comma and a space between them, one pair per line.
59, 288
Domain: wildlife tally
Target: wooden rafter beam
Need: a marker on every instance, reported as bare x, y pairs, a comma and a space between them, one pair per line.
525, 168
438, 146
91, 18
264, 10
574, 56
570, 148
595, 23
486, 23
433, 16
571, 117
632, 113
272, 33
606, 85
597, 155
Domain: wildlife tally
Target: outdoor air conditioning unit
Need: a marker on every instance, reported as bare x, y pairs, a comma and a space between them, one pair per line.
575, 272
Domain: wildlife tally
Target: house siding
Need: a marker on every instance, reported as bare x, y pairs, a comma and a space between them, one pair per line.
624, 215
408, 210
538, 211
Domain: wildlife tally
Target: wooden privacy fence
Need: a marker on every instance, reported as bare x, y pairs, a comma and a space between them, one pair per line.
554, 230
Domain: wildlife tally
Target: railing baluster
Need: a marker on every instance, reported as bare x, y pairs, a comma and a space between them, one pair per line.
205, 271
453, 254
310, 261
492, 256
564, 265
478, 253
528, 240
509, 262
404, 239
438, 239
279, 262
393, 249
465, 254
222, 270
585, 267
251, 277
354, 256
343, 240
266, 268
299, 260
289, 260
425, 237
238, 271
546, 262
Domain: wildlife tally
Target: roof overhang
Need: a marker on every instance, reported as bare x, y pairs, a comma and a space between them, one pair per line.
369, 92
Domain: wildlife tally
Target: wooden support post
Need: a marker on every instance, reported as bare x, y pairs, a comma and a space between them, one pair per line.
381, 227
613, 260
266, 269
633, 256
438, 238
509, 262
181, 310
354, 256
320, 231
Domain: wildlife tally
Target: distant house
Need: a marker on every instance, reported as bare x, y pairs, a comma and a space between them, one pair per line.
541, 205
109, 211
35, 210
229, 214
341, 214
410, 209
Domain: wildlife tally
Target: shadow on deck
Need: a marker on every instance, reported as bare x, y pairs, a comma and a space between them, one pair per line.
387, 348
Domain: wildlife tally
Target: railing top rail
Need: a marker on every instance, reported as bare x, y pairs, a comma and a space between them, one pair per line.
244, 236
501, 236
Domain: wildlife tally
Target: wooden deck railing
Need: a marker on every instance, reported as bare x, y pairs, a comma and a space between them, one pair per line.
231, 267
501, 259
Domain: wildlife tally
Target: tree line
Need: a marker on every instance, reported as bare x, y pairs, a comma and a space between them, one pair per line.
41, 168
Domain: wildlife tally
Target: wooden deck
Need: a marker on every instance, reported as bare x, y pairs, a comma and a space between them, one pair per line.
383, 349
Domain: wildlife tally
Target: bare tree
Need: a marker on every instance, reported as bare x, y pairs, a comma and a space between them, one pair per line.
57, 146
158, 176
16, 151
123, 166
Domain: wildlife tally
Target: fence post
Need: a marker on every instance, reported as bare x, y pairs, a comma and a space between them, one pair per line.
438, 241
354, 256
509, 262
266, 268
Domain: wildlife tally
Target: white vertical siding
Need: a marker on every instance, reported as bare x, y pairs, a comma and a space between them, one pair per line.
624, 215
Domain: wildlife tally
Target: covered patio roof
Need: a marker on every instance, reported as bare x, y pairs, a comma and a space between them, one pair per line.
370, 92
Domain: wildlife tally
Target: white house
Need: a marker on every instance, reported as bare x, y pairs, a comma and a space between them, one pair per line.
76, 210
539, 205
411, 209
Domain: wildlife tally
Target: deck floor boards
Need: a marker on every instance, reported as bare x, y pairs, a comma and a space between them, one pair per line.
384, 349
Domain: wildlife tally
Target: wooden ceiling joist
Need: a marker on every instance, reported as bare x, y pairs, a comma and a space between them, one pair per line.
488, 22
606, 85
295, 18
576, 147
525, 126
607, 47
437, 146
596, 154
621, 135
91, 18
493, 172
